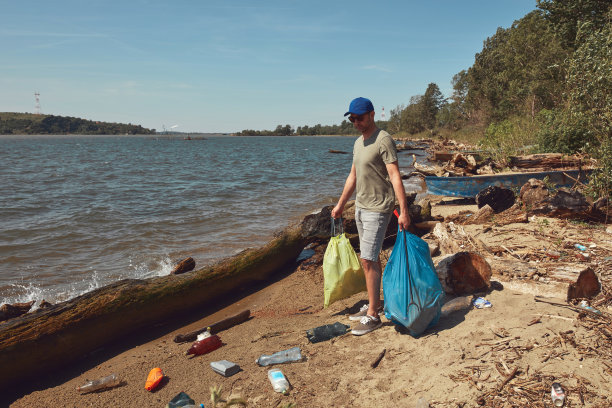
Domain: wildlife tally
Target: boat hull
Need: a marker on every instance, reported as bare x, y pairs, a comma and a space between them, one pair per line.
470, 186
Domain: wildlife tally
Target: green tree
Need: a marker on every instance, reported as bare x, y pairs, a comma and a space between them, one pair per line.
567, 16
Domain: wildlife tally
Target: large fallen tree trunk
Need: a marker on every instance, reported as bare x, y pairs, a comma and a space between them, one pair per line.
47, 340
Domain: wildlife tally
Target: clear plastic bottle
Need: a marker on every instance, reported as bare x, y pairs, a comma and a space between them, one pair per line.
285, 356
104, 382
278, 380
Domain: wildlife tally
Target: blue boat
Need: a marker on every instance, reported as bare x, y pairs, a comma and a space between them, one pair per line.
472, 185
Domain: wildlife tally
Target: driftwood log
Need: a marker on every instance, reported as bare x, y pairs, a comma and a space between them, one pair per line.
48, 340
569, 281
547, 160
215, 327
464, 273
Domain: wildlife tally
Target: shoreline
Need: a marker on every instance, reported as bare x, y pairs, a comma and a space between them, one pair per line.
338, 372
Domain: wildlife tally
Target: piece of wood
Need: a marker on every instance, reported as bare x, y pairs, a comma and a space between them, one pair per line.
43, 341
482, 216
508, 378
569, 281
378, 359
464, 273
582, 282
186, 265
10, 311
448, 245
547, 160
215, 327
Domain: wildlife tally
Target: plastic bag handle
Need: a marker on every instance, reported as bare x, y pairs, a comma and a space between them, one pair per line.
333, 226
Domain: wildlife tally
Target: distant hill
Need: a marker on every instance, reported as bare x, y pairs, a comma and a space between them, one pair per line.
33, 124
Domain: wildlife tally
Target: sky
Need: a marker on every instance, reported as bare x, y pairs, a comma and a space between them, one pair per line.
227, 65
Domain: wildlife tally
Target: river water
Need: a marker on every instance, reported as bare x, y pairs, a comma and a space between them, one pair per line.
79, 212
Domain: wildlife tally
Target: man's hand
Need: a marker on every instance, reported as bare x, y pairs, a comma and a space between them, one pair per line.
337, 211
403, 221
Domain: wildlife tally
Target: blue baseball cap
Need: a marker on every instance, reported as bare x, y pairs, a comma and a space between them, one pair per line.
359, 106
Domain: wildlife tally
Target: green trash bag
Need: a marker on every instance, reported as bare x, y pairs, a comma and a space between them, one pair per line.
342, 272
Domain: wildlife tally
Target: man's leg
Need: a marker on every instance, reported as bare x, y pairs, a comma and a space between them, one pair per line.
373, 273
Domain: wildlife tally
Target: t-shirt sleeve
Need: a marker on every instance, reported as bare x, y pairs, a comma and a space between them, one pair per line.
388, 150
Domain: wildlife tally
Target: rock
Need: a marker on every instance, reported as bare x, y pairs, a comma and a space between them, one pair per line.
534, 194
498, 198
464, 273
185, 265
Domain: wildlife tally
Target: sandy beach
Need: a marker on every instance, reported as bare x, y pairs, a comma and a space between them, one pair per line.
497, 357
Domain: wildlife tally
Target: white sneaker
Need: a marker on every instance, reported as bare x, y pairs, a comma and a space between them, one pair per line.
362, 312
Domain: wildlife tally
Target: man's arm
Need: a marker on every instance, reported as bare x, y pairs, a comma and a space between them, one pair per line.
349, 188
398, 187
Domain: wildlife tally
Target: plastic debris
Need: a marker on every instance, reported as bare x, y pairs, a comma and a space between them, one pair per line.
285, 356
557, 394
326, 332
225, 368
481, 303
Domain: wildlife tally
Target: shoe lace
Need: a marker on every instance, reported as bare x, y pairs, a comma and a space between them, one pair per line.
367, 318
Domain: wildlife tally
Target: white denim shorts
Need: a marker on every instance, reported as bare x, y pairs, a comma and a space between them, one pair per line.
371, 227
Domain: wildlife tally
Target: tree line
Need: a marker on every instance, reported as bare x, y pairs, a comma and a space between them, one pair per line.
344, 128
33, 124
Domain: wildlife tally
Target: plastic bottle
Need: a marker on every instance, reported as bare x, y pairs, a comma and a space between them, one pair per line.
104, 382
205, 345
278, 380
580, 247
285, 356
557, 394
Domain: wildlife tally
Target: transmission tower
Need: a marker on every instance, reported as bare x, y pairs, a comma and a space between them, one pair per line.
37, 107
382, 115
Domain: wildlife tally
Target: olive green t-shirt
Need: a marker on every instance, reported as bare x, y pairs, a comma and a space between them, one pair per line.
374, 191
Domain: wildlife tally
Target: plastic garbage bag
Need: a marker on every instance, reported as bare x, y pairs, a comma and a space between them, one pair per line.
411, 288
342, 272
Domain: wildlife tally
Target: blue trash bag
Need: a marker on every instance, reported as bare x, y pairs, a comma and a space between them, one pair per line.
411, 288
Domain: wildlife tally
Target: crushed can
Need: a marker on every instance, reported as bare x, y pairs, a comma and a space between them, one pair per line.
557, 394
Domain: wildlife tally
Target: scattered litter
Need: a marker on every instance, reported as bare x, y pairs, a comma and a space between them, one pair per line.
326, 332
154, 378
583, 256
95, 385
181, 399
285, 356
225, 368
585, 305
205, 343
557, 394
481, 303
278, 380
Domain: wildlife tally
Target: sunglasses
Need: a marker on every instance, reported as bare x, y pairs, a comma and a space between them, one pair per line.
357, 118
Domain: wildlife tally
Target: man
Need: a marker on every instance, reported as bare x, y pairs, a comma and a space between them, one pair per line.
376, 179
